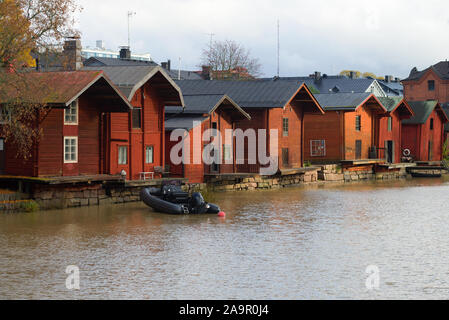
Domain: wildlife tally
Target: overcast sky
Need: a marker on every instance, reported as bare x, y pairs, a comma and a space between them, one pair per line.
382, 36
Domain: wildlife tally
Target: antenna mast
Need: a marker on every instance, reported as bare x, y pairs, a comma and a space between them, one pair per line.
130, 15
279, 48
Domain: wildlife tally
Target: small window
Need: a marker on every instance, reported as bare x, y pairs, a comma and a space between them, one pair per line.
5, 116
71, 114
431, 85
227, 152
137, 118
285, 157
214, 129
432, 124
318, 148
358, 123
149, 154
285, 127
122, 155
390, 124
70, 149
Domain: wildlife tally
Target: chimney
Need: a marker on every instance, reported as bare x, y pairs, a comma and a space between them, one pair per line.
317, 76
205, 73
352, 74
125, 53
72, 54
388, 79
169, 65
164, 65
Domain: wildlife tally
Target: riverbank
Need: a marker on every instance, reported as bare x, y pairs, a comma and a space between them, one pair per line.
97, 192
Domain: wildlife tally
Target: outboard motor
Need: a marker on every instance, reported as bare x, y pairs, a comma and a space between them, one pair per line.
197, 204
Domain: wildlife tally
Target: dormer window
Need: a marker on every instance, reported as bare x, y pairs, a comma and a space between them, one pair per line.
71, 114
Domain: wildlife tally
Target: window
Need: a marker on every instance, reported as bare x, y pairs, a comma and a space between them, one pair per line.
71, 114
358, 123
227, 152
137, 118
214, 129
431, 85
5, 116
285, 127
358, 149
122, 155
318, 148
285, 157
432, 123
149, 154
390, 124
70, 149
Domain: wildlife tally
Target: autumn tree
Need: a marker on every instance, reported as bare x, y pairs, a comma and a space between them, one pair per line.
28, 26
230, 60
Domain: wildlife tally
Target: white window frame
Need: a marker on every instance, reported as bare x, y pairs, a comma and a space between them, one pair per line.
227, 152
76, 149
146, 155
322, 147
118, 155
72, 123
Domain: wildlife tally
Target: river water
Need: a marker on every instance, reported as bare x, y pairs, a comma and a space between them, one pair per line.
302, 243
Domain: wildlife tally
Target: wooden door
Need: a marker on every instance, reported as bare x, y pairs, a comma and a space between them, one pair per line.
358, 149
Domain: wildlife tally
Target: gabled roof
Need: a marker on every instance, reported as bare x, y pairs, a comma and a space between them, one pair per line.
205, 104
130, 78
395, 87
114, 62
423, 110
345, 101
392, 103
441, 69
61, 88
247, 94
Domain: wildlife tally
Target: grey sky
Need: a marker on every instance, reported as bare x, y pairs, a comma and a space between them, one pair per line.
384, 36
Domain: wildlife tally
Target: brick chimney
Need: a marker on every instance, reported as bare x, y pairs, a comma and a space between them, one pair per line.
72, 54
205, 73
388, 79
125, 53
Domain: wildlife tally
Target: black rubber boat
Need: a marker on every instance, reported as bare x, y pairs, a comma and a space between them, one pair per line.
170, 199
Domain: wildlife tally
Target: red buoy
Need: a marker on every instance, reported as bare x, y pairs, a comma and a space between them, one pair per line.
222, 215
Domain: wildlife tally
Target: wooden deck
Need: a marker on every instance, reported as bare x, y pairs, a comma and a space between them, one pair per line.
362, 162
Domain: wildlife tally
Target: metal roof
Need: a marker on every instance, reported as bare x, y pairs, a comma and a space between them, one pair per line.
247, 94
342, 101
130, 78
391, 103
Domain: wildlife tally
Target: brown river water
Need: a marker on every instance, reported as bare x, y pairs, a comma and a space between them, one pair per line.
303, 243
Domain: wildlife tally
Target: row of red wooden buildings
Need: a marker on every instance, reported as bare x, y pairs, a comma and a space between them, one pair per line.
119, 119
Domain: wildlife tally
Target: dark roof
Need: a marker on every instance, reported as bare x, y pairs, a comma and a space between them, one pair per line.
62, 88
131, 78
441, 69
422, 110
105, 62
183, 122
247, 94
395, 87
342, 101
390, 103
336, 84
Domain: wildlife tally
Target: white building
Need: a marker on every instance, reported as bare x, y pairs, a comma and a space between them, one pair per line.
101, 52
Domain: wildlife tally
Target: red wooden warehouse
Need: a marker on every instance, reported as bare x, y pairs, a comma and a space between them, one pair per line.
137, 138
348, 130
72, 143
390, 128
423, 134
271, 105
204, 112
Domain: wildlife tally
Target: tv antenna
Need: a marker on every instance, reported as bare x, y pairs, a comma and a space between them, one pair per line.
279, 49
130, 15
211, 35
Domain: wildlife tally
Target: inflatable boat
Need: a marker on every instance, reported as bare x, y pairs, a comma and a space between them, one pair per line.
170, 199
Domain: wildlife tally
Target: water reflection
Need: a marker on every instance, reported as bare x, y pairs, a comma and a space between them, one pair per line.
312, 243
